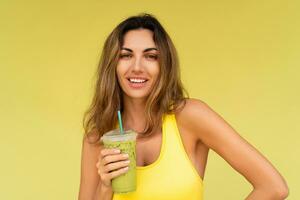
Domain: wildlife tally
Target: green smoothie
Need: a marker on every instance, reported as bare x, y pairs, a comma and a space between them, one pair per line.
126, 143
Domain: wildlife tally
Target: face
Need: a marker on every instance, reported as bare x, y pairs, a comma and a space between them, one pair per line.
138, 66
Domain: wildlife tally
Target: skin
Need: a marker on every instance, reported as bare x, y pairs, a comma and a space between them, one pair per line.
200, 127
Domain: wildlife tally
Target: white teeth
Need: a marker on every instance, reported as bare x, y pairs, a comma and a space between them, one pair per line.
133, 80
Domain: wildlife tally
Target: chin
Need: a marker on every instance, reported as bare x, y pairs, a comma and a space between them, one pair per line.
137, 96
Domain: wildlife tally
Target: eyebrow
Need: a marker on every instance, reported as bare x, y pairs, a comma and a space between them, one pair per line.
146, 50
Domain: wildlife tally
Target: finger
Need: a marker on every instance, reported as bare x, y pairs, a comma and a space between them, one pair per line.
119, 172
116, 165
114, 158
105, 152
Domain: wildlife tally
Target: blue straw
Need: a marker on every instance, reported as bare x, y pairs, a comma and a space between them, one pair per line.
120, 122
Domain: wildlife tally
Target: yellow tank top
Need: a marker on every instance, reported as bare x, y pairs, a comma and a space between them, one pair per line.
172, 176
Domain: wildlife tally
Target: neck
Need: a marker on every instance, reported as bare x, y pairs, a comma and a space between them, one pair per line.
134, 114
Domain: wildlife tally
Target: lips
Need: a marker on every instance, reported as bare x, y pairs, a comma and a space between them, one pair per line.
137, 82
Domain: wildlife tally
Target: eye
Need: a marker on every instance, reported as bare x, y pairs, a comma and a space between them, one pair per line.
152, 56
125, 56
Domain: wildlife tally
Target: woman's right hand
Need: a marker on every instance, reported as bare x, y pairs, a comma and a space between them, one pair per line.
111, 164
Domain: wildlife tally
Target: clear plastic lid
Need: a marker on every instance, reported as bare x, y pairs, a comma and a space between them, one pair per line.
115, 135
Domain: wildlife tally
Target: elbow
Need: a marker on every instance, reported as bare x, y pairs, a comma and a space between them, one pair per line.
280, 193
283, 193
275, 192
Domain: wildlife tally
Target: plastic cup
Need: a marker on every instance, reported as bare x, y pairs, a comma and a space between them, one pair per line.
126, 142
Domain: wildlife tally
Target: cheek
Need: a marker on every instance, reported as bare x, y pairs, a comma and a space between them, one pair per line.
154, 71
122, 67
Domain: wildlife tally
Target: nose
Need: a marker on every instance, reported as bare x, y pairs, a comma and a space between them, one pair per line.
137, 64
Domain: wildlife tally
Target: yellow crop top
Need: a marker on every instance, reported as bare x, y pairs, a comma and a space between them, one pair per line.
172, 176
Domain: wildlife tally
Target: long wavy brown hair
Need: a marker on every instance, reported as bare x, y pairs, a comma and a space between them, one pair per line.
167, 96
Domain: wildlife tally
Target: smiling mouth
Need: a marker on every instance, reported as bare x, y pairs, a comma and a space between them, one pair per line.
137, 83
137, 80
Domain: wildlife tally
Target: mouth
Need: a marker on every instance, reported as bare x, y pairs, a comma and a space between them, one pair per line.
137, 82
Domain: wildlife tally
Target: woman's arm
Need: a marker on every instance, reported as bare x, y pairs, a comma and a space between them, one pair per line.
90, 184
218, 135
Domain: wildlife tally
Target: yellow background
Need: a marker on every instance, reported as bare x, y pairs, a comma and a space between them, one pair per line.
240, 57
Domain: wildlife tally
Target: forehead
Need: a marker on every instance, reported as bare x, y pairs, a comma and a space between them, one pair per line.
138, 39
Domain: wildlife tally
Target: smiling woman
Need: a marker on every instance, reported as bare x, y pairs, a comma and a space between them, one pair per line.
139, 74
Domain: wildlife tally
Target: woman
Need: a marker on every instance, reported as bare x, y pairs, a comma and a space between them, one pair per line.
139, 74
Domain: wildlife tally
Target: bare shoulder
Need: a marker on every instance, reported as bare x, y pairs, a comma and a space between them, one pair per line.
193, 105
91, 139
193, 114
207, 125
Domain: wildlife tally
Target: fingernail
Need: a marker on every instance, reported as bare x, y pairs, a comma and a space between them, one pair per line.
117, 150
